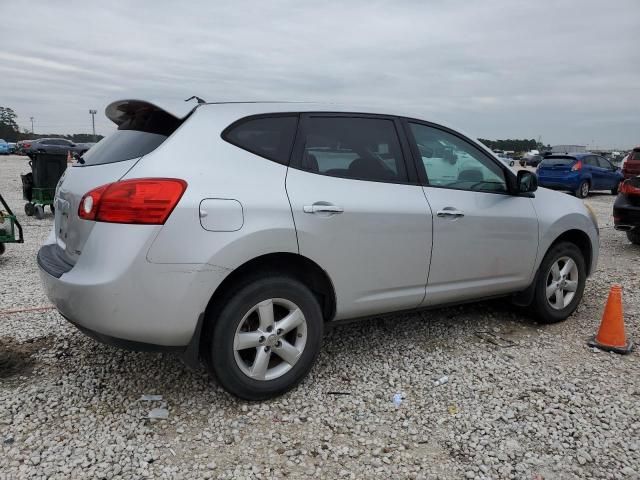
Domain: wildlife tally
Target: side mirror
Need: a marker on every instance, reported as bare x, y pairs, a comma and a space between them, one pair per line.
526, 182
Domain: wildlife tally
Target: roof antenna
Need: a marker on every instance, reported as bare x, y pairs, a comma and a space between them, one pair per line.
197, 98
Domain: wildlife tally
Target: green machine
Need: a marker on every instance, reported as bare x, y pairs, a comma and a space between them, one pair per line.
9, 226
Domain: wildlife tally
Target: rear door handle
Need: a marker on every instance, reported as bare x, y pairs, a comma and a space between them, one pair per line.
321, 208
450, 212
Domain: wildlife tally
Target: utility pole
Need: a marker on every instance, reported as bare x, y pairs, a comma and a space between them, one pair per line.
32, 132
93, 122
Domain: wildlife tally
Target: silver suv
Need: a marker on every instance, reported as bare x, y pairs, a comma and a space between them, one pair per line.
233, 232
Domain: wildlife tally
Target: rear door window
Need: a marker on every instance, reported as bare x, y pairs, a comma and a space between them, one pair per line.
270, 137
352, 147
139, 135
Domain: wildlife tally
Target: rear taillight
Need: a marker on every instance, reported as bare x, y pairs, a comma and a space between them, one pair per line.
577, 166
627, 189
147, 201
26, 145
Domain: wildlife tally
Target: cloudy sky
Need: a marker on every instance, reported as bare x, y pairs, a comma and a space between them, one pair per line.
568, 71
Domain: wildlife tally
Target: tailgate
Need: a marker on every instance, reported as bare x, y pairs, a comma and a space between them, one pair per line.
142, 127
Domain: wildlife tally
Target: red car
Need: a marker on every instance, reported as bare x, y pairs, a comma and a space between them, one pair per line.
626, 209
631, 164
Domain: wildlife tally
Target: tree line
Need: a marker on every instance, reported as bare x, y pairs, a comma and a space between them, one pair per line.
510, 144
10, 132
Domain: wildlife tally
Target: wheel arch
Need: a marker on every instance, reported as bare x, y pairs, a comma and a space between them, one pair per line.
581, 240
283, 263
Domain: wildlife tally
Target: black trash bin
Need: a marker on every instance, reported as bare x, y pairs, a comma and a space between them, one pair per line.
46, 170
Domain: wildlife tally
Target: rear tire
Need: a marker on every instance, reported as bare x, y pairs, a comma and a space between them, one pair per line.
583, 189
243, 315
29, 209
634, 236
614, 190
550, 304
2, 248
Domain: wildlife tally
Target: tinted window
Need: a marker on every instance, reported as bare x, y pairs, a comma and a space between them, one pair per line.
139, 134
269, 137
591, 160
358, 148
450, 161
635, 155
558, 161
603, 163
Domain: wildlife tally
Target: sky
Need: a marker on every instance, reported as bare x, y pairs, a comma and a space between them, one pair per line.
567, 71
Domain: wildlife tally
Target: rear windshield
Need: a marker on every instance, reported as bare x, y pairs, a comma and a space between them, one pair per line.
139, 135
549, 161
635, 155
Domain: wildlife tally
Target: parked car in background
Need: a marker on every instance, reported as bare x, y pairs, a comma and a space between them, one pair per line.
631, 163
54, 146
626, 209
4, 147
22, 146
12, 147
533, 161
579, 173
255, 224
82, 148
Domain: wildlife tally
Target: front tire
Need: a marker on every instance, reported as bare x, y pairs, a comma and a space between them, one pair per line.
560, 283
583, 189
614, 190
634, 236
265, 339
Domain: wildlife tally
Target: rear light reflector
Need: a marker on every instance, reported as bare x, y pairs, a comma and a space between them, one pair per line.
147, 201
627, 189
577, 166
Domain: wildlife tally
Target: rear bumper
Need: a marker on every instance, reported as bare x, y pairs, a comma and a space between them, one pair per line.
626, 216
116, 296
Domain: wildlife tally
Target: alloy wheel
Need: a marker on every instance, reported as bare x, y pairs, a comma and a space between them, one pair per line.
562, 282
270, 339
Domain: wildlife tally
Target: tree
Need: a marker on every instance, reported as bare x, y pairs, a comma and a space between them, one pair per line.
8, 126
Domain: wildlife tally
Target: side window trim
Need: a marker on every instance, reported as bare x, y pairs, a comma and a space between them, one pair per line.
509, 177
224, 134
298, 148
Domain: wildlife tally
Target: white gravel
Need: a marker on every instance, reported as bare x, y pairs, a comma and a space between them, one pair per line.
541, 405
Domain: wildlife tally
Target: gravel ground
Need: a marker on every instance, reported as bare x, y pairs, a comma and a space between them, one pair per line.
522, 401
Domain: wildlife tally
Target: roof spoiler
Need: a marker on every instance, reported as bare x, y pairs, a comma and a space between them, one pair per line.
121, 111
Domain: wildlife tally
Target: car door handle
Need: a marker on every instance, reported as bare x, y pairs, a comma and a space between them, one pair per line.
450, 212
321, 208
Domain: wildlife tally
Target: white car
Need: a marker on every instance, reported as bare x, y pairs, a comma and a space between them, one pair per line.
234, 232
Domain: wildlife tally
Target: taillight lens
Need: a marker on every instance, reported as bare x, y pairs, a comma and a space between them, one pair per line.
147, 201
627, 189
577, 166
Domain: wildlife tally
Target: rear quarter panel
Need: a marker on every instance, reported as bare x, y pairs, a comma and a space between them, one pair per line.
213, 168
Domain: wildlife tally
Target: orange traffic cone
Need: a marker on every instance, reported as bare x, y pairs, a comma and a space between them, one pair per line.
611, 336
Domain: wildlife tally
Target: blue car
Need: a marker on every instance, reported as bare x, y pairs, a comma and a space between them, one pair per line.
4, 147
579, 173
